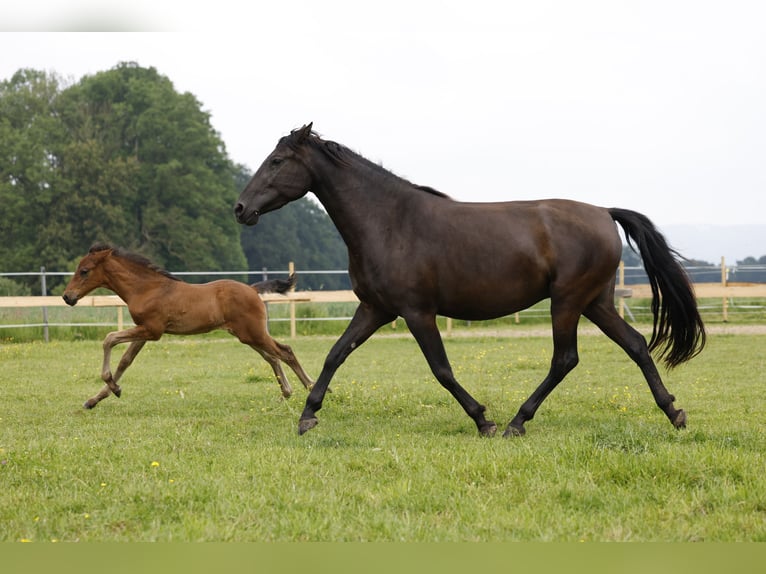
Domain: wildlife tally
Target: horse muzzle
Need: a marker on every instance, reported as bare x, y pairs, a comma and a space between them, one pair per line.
243, 217
70, 300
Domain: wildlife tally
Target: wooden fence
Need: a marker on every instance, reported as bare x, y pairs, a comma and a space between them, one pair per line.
724, 291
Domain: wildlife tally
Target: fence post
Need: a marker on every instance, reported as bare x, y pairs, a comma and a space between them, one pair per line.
723, 283
45, 309
622, 286
293, 330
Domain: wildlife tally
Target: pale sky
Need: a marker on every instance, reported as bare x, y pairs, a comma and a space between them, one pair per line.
657, 106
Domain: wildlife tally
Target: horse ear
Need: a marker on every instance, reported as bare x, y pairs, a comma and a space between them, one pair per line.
305, 132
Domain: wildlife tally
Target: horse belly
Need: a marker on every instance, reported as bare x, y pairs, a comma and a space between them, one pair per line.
490, 301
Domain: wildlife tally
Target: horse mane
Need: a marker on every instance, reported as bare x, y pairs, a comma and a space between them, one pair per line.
342, 156
133, 257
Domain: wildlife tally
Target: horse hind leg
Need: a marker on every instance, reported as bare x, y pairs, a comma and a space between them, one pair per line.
565, 358
276, 366
286, 354
605, 316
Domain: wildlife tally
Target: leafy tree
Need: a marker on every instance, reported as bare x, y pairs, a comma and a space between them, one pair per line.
29, 177
166, 177
120, 157
753, 261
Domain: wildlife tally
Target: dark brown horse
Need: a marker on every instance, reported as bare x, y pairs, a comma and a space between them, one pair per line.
415, 253
160, 303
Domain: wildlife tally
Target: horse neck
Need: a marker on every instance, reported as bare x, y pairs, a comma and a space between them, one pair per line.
360, 199
127, 278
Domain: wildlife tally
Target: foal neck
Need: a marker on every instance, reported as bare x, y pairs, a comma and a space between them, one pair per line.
128, 278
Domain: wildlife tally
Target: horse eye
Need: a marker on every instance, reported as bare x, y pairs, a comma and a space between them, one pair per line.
276, 161
84, 272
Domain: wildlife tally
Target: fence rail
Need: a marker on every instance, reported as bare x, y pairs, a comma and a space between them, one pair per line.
627, 280
702, 290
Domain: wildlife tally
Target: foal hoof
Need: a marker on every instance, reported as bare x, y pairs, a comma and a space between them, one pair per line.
88, 405
680, 421
307, 424
512, 431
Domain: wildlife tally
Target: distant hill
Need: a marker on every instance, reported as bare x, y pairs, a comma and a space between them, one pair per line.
711, 242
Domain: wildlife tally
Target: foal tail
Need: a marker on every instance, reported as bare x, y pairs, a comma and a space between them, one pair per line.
275, 285
678, 331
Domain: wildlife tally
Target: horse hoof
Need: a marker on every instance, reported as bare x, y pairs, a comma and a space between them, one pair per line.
307, 424
88, 405
118, 393
512, 431
680, 421
488, 429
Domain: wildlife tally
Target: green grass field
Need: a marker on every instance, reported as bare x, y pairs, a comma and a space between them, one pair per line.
201, 447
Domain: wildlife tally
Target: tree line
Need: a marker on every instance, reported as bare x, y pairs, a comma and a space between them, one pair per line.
122, 157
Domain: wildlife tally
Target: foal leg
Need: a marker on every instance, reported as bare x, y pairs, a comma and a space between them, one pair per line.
367, 319
426, 333
276, 366
255, 334
564, 359
286, 354
125, 362
276, 351
605, 316
136, 334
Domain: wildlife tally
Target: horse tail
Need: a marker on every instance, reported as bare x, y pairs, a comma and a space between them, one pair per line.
678, 332
275, 285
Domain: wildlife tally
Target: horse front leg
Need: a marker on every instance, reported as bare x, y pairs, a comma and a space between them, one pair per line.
426, 333
138, 334
366, 320
126, 360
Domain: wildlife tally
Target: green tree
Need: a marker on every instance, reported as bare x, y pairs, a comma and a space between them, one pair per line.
121, 157
166, 177
30, 133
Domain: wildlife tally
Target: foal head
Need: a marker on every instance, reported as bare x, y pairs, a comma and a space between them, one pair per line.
89, 274
283, 177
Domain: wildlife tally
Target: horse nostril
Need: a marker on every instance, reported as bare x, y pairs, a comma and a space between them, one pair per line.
239, 209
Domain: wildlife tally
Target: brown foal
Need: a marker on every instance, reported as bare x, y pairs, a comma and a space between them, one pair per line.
161, 303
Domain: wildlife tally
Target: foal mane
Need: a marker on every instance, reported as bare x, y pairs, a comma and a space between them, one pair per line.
133, 257
342, 156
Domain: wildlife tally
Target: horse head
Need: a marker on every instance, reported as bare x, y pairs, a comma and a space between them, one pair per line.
88, 275
282, 177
